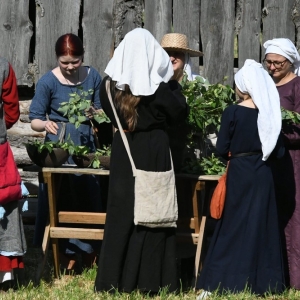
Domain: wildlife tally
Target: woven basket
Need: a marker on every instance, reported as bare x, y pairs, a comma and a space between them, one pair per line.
105, 162
54, 159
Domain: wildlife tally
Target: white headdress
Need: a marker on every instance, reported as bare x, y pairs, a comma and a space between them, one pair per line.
252, 79
286, 48
140, 62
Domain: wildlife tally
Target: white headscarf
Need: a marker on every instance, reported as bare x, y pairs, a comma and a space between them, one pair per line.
252, 79
140, 62
286, 48
187, 67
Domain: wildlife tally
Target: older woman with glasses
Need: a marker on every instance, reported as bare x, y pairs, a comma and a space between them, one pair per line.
283, 63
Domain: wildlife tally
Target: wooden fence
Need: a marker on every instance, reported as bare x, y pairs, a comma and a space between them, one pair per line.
227, 31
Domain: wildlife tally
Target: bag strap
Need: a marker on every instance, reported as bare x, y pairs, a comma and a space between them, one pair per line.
123, 135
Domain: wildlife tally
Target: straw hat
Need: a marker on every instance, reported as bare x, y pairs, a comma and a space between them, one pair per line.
178, 42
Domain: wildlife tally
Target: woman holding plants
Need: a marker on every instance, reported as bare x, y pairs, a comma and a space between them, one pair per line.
55, 87
135, 256
177, 47
283, 63
245, 250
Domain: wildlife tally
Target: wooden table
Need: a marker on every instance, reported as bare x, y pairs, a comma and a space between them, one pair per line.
190, 227
192, 223
54, 231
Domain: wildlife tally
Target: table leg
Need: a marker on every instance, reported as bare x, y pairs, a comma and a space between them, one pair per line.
199, 248
51, 183
43, 257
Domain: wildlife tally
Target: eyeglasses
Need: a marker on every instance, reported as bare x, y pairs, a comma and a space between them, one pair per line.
276, 64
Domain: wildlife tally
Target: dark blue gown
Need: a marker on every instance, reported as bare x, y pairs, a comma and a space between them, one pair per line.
245, 250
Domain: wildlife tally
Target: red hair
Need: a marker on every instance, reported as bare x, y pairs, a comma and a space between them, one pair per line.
69, 44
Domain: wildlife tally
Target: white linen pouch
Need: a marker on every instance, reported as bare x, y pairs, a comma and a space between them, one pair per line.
155, 199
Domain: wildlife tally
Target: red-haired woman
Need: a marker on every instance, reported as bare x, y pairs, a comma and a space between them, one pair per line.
52, 89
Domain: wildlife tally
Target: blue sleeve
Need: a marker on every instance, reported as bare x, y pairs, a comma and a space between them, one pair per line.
97, 82
40, 105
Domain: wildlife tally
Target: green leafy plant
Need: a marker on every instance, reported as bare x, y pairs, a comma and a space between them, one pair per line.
49, 145
105, 151
207, 103
210, 165
96, 161
290, 117
68, 145
79, 150
78, 106
94, 158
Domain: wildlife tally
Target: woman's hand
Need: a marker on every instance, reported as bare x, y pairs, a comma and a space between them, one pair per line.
40, 126
51, 127
89, 113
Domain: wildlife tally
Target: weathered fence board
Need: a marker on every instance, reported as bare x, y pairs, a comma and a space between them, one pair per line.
217, 35
277, 20
186, 20
98, 39
16, 31
296, 21
128, 15
158, 17
53, 19
209, 25
247, 27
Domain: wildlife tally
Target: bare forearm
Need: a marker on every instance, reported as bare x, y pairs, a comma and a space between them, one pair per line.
38, 125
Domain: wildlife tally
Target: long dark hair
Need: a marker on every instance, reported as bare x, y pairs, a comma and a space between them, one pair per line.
126, 102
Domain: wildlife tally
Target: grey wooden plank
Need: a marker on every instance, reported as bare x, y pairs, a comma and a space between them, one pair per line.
16, 31
158, 17
98, 39
296, 21
217, 35
186, 20
248, 30
277, 20
127, 16
53, 19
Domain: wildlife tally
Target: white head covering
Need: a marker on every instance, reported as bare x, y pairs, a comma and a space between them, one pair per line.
252, 79
286, 48
187, 66
188, 69
140, 62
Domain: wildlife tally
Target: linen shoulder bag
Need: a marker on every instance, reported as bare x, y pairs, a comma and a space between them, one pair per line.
155, 199
218, 198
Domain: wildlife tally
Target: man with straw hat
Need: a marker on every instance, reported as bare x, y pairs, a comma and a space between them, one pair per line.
176, 45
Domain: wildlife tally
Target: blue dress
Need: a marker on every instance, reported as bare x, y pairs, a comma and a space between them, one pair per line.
78, 193
245, 250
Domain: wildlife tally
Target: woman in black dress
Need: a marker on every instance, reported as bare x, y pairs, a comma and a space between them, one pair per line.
137, 257
245, 249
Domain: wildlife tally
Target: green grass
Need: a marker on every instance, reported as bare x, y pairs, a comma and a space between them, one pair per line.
81, 287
